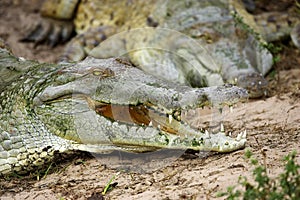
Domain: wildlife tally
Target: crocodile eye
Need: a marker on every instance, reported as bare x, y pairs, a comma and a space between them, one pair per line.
97, 73
103, 73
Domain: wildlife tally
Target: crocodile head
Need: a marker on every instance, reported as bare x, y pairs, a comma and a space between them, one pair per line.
108, 104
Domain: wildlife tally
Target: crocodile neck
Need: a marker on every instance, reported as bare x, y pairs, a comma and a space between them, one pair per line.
22, 134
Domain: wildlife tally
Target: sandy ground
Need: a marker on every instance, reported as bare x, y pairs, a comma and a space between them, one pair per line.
272, 125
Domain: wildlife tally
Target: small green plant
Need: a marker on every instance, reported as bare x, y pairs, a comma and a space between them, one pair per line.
285, 186
109, 186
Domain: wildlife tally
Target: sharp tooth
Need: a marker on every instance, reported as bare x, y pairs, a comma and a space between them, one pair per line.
158, 126
150, 123
206, 133
222, 128
238, 137
231, 109
245, 134
241, 135
179, 118
230, 134
170, 119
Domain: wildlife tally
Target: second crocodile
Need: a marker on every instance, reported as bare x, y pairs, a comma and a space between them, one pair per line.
197, 43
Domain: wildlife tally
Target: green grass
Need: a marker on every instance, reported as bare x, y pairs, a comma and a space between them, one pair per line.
109, 186
285, 186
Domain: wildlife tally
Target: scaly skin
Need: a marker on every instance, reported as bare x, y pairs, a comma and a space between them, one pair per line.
235, 54
98, 105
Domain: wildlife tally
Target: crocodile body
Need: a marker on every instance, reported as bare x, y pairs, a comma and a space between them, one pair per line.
98, 105
236, 55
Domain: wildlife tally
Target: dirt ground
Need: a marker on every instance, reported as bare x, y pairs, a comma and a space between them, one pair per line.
272, 125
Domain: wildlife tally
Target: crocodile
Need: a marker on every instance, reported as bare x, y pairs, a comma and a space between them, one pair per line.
99, 105
238, 56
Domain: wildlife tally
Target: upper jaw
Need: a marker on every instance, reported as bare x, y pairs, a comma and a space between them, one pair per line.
108, 81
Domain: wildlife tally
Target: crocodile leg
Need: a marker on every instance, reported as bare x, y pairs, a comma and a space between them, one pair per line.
81, 45
56, 23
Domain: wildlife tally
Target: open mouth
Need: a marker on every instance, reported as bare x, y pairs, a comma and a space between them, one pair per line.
166, 128
142, 114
